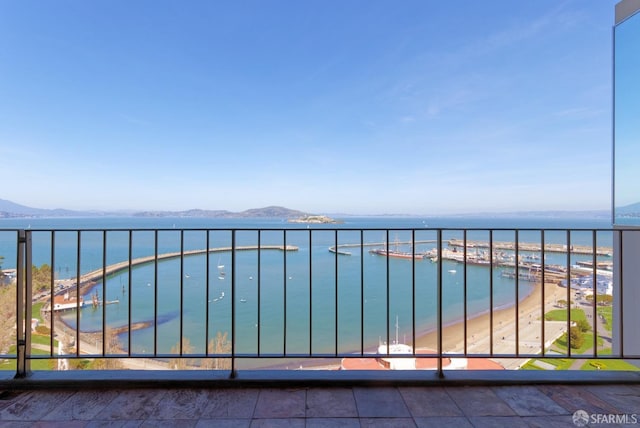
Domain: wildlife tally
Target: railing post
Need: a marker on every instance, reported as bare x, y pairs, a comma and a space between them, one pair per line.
440, 369
233, 374
23, 303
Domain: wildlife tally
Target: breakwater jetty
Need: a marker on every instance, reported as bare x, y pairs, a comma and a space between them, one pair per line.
89, 279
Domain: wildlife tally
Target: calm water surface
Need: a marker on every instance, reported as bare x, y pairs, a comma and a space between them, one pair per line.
325, 301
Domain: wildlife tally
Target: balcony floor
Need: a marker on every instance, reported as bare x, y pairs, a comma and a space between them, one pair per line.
378, 406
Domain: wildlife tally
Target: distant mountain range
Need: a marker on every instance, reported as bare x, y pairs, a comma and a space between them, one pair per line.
266, 212
632, 210
10, 209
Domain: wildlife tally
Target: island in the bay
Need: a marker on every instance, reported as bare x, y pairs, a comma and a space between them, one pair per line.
313, 219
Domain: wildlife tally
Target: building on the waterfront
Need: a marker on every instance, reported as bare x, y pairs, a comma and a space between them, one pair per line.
9, 274
66, 301
422, 361
584, 284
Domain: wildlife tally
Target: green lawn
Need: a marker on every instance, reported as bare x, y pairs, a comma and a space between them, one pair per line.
43, 340
561, 344
593, 364
561, 315
559, 363
35, 364
36, 311
608, 365
606, 312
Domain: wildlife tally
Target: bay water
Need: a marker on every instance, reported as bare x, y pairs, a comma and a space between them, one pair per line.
294, 302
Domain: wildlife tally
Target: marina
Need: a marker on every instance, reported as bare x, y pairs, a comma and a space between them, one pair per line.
503, 255
173, 287
531, 247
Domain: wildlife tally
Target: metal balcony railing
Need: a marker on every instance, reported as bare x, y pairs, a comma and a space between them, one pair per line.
234, 299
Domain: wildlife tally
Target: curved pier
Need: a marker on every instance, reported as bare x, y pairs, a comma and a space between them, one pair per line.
122, 266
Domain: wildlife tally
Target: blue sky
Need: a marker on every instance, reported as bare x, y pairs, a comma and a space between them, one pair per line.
362, 107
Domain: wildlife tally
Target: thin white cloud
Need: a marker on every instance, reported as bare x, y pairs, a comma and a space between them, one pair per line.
557, 19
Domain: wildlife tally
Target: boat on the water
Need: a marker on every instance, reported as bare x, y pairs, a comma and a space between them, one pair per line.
397, 254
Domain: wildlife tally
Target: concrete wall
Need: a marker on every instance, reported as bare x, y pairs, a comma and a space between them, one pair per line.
626, 273
626, 292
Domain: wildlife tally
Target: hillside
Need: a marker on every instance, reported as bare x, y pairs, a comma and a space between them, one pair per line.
10, 209
266, 212
632, 210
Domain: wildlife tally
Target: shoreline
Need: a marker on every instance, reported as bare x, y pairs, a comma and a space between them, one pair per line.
478, 328
530, 311
474, 316
504, 319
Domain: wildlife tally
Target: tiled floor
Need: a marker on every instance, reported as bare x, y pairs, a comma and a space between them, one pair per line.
545, 406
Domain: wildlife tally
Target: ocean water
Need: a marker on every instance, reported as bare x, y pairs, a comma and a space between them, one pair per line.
328, 303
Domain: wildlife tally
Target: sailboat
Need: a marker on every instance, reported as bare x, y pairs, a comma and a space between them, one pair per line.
220, 268
221, 273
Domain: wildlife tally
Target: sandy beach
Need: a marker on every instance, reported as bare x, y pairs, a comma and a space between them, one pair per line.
478, 332
504, 322
504, 337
